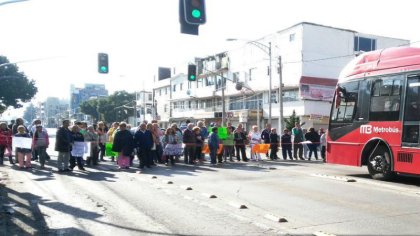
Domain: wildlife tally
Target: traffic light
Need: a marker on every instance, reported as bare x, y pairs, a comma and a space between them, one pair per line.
192, 72
103, 63
194, 12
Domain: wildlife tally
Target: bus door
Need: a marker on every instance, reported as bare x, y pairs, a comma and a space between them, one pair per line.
411, 125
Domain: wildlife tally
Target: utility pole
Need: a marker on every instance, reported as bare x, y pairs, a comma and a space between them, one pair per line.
223, 103
269, 91
281, 122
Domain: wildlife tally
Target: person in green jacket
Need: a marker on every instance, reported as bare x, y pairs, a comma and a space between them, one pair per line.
228, 144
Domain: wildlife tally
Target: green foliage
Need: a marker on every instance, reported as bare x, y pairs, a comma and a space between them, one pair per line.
116, 107
15, 87
290, 122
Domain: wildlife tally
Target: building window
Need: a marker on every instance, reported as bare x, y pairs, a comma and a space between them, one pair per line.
150, 97
166, 91
174, 88
165, 108
160, 92
292, 37
180, 86
364, 44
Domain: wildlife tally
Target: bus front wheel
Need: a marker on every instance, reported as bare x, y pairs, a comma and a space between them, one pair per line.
379, 164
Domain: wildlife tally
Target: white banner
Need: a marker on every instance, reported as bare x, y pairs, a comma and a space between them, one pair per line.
21, 142
79, 149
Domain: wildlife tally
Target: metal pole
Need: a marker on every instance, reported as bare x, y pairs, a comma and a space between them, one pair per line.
258, 112
281, 119
223, 105
269, 91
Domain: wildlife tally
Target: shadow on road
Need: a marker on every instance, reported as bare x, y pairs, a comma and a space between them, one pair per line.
21, 215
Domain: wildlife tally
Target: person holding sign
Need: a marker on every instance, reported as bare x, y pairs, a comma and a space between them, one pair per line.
22, 149
79, 148
255, 138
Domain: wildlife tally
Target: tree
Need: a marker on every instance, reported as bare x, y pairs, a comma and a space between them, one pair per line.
90, 107
293, 119
116, 107
15, 87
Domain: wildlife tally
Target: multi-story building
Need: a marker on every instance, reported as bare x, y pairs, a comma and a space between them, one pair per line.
311, 57
79, 95
144, 107
52, 111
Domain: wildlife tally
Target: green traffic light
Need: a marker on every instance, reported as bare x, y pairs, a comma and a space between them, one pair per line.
192, 77
196, 13
104, 69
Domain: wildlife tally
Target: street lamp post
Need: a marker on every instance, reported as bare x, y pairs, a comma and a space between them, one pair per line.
266, 49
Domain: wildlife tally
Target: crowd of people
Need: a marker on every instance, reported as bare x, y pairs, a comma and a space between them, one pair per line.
153, 145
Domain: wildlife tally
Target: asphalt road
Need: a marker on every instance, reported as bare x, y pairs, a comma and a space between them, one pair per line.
312, 198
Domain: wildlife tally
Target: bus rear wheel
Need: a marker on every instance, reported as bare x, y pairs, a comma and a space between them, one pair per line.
379, 164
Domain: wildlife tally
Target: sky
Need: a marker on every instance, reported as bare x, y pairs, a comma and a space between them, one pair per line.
57, 41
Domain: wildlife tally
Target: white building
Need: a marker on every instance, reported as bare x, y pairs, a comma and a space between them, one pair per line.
312, 57
144, 107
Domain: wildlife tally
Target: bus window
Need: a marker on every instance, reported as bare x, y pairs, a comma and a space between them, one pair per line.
386, 99
345, 103
412, 102
411, 125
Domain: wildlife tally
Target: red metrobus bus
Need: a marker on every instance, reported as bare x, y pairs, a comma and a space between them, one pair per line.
375, 115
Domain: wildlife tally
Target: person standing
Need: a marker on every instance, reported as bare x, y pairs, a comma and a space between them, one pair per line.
286, 145
63, 144
189, 140
5, 142
214, 143
323, 141
204, 133
78, 148
297, 141
170, 148
313, 137
144, 141
111, 132
23, 152
265, 135
40, 143
255, 138
92, 137
228, 145
101, 131
240, 142
274, 144
123, 144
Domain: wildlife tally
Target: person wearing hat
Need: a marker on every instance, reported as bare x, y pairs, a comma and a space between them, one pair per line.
40, 143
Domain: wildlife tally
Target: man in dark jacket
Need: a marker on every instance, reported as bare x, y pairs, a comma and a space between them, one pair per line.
63, 144
265, 135
144, 143
189, 140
